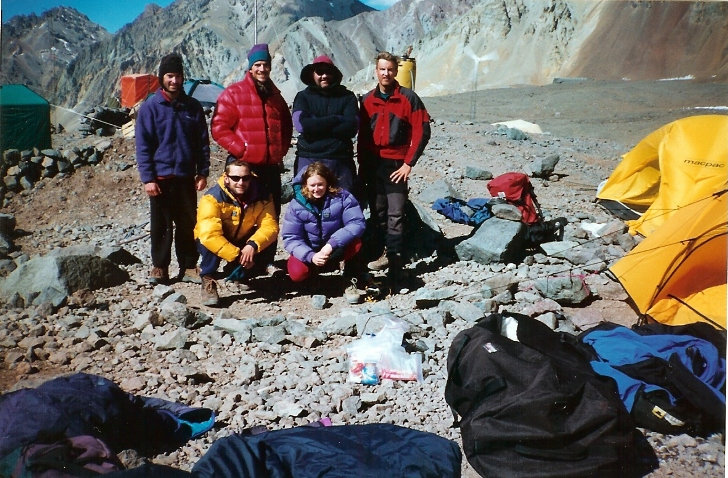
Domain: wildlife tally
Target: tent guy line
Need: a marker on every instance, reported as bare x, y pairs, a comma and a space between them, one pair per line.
664, 211
83, 115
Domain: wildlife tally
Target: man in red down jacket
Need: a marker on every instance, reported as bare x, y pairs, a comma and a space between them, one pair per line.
253, 123
394, 128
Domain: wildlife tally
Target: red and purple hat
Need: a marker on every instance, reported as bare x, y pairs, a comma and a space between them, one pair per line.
320, 61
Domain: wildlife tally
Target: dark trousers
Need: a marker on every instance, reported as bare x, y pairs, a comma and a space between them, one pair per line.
343, 169
175, 208
270, 177
386, 203
210, 261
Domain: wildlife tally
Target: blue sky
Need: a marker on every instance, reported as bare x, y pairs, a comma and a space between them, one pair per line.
110, 14
379, 4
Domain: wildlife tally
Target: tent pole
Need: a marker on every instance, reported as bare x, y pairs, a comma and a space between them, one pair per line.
255, 16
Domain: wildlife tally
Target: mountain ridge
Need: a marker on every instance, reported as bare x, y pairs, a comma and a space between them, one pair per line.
460, 46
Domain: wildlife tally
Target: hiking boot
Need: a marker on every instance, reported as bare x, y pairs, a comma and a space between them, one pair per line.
381, 263
209, 292
158, 275
190, 275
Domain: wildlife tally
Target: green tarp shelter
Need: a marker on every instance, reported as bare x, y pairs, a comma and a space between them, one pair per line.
25, 119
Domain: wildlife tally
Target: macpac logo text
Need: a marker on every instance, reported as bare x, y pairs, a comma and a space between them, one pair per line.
703, 163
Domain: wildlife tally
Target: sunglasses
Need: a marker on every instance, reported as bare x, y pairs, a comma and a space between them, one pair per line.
237, 179
323, 70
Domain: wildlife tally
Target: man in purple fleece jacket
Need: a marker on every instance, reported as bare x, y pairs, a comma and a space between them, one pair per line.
173, 157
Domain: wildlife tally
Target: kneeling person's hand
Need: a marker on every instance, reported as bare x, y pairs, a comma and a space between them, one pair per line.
246, 256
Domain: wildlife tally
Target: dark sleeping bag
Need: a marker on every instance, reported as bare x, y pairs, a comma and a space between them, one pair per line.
530, 405
373, 450
84, 404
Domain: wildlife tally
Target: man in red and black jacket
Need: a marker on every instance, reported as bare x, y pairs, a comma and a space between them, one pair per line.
394, 129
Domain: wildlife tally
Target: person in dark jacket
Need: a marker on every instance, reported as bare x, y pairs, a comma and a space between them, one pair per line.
394, 128
325, 114
173, 157
322, 225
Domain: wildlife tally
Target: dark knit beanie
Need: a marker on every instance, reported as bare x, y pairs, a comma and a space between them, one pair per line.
259, 52
171, 63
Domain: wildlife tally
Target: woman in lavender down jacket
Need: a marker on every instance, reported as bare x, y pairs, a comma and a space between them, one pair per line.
322, 226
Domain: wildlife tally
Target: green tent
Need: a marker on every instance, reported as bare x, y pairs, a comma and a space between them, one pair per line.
25, 119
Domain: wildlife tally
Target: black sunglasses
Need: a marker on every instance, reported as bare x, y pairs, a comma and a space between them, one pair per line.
322, 70
237, 179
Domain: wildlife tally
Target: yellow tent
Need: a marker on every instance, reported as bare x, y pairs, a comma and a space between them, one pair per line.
677, 275
672, 167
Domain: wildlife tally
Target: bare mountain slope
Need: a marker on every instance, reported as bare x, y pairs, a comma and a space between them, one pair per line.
501, 44
525, 42
36, 50
643, 41
213, 35
460, 46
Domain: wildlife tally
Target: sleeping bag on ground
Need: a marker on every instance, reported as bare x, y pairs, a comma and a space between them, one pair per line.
84, 404
365, 451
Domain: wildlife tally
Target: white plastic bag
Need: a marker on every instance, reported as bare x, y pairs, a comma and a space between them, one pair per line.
381, 356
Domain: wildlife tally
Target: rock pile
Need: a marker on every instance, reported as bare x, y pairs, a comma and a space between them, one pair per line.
21, 170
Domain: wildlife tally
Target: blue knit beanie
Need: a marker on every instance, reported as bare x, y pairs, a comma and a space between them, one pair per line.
257, 53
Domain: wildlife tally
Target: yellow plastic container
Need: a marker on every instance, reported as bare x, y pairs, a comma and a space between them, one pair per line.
406, 72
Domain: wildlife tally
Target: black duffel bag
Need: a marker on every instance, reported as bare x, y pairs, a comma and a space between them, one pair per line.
532, 406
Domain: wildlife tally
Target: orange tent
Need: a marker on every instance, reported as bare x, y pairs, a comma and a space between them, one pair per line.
670, 168
677, 275
134, 88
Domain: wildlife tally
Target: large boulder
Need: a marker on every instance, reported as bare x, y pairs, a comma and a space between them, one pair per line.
438, 189
53, 278
116, 254
7, 224
543, 167
423, 234
496, 240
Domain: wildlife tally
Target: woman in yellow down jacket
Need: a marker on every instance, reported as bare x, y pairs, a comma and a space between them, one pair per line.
236, 221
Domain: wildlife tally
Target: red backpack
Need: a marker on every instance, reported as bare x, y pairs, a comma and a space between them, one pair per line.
517, 189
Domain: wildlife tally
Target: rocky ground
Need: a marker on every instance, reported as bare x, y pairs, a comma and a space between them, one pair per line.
273, 355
